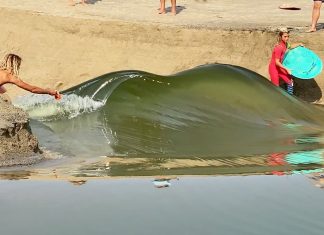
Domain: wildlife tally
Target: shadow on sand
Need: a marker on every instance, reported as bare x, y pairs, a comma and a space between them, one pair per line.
92, 1
320, 26
179, 9
307, 90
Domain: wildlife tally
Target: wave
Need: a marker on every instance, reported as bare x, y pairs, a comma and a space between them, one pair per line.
209, 111
44, 108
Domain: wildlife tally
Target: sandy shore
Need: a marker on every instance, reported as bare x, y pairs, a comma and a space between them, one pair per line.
61, 43
213, 13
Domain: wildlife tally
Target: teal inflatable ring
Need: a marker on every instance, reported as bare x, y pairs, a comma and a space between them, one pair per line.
303, 63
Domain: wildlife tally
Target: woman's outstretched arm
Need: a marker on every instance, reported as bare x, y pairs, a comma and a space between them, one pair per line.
31, 88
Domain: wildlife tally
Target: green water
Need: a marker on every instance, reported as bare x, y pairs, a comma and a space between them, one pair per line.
220, 113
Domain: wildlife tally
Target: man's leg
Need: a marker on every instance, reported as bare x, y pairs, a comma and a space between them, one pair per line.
315, 15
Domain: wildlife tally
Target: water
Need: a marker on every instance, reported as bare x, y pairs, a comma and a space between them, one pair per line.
209, 205
214, 113
253, 152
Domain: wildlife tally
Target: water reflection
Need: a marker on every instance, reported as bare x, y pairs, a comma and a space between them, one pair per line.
280, 163
79, 170
275, 160
304, 162
77, 182
249, 205
16, 175
163, 182
305, 157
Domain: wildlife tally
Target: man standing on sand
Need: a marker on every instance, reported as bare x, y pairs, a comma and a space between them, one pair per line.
315, 15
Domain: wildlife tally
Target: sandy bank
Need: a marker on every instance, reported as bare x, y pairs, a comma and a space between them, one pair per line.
77, 48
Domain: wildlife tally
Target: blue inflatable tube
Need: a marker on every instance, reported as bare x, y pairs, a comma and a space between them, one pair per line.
303, 63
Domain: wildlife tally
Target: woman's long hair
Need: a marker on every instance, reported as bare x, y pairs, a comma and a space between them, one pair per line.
11, 63
282, 32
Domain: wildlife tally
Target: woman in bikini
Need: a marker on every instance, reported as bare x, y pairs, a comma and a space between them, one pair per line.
9, 71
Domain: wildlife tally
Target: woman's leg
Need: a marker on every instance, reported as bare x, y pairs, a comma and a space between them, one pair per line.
285, 76
315, 15
288, 80
274, 76
174, 7
162, 7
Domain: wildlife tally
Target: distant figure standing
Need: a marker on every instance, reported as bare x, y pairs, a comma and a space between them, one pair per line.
276, 68
315, 15
9, 71
173, 7
82, 1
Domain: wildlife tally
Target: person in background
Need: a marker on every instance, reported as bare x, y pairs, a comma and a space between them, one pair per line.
173, 7
9, 71
315, 15
276, 68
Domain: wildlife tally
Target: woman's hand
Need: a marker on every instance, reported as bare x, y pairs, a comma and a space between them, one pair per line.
55, 93
288, 71
2, 90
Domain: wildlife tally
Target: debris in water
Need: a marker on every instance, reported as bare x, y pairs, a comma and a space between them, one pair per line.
161, 183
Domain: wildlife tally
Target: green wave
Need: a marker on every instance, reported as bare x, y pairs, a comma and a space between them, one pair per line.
208, 111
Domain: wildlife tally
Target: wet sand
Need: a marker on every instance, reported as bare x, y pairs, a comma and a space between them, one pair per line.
66, 45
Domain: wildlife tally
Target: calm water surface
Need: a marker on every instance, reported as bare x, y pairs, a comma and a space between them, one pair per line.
191, 205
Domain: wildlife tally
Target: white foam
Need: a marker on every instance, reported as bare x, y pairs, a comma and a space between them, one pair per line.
46, 108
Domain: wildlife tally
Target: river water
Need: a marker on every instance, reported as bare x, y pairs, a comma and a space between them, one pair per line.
254, 155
